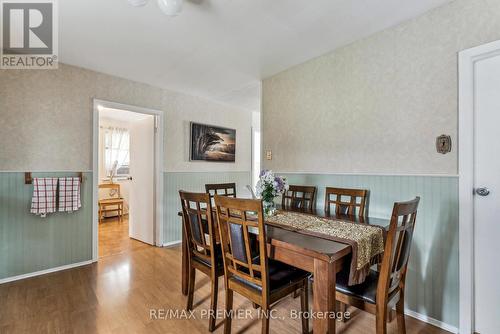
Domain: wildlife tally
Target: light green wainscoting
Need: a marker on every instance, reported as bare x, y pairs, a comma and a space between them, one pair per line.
432, 282
29, 243
194, 181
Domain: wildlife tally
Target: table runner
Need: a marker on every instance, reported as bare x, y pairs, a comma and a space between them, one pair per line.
367, 241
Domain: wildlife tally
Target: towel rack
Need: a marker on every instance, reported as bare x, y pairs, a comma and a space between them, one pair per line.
28, 179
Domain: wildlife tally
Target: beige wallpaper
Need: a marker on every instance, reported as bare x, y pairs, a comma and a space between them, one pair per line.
376, 106
184, 109
46, 119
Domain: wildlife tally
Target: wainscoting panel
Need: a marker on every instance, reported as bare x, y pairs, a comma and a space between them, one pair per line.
29, 243
193, 181
432, 281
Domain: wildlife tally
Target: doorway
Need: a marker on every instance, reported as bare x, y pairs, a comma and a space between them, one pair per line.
479, 166
256, 147
128, 183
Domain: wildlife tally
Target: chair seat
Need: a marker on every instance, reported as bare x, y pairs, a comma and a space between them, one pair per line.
367, 291
280, 276
219, 264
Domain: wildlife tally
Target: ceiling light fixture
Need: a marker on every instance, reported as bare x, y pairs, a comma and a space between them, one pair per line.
138, 3
170, 7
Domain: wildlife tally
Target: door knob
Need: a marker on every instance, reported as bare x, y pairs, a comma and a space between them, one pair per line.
482, 191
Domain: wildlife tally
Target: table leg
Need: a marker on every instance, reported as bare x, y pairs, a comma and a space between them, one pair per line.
185, 269
324, 297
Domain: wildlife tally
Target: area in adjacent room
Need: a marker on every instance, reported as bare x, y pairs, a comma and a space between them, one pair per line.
126, 176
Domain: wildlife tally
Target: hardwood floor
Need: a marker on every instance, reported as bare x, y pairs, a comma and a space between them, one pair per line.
114, 239
117, 294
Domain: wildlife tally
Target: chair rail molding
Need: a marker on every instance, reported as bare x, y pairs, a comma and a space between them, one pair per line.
467, 60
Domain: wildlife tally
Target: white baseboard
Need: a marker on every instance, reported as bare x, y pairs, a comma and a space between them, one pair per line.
43, 272
432, 321
172, 243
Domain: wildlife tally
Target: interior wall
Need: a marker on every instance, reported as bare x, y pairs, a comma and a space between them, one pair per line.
50, 113
177, 135
377, 105
46, 127
367, 116
29, 243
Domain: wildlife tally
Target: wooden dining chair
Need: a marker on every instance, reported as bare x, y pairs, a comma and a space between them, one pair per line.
204, 252
247, 268
384, 289
221, 189
301, 198
356, 201
112, 203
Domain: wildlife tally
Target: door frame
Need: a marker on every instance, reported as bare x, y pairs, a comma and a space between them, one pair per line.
158, 167
466, 121
254, 130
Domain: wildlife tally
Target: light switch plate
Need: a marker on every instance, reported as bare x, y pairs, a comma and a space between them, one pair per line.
269, 155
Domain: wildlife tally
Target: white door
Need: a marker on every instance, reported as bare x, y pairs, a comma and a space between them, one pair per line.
487, 205
142, 198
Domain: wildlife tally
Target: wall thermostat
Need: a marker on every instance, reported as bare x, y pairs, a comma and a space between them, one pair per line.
443, 144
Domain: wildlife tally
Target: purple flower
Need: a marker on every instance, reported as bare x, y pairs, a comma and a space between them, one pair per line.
279, 183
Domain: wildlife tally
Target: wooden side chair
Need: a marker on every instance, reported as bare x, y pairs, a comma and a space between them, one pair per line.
221, 189
356, 201
111, 204
247, 268
204, 254
301, 198
385, 289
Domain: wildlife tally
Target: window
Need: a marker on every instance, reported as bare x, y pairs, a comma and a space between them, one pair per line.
116, 152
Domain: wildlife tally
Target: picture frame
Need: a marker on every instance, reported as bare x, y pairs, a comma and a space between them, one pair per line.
212, 143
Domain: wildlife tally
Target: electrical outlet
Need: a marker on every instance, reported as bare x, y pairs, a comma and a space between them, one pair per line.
269, 155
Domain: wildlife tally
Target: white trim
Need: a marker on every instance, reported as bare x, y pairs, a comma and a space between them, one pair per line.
159, 161
254, 130
366, 174
172, 243
46, 271
467, 61
95, 180
45, 171
432, 321
207, 171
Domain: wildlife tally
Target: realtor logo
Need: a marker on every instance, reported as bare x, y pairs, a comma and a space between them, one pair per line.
29, 34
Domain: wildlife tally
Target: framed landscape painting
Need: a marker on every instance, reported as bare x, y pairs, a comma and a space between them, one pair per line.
212, 143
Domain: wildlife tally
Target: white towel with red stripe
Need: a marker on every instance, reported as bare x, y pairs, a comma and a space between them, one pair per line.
44, 196
69, 194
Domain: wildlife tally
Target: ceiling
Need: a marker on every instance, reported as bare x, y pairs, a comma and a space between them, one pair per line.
218, 49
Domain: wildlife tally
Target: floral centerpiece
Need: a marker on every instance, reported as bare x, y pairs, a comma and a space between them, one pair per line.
269, 187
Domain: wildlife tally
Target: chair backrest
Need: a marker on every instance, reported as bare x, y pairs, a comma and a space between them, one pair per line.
221, 189
299, 198
198, 224
346, 201
397, 248
111, 186
243, 258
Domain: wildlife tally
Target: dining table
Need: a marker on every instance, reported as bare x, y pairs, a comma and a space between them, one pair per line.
322, 257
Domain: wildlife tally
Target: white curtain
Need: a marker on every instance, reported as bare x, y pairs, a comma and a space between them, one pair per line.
116, 143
